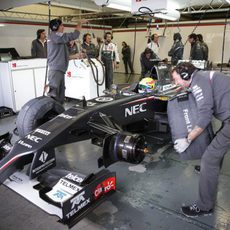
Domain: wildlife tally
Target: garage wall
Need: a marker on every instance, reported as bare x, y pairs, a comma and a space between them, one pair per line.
212, 32
20, 35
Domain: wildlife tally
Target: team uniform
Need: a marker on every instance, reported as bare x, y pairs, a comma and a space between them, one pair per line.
58, 60
108, 55
212, 93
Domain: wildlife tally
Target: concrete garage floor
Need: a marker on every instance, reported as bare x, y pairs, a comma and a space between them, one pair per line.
148, 196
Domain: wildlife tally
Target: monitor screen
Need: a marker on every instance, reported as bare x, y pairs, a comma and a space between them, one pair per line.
12, 51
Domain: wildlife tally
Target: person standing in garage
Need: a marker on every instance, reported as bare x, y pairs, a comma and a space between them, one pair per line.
211, 91
177, 50
147, 59
58, 57
154, 44
39, 45
88, 47
204, 46
196, 52
109, 55
126, 52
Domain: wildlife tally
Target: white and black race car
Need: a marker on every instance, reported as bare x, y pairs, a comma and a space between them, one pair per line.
117, 122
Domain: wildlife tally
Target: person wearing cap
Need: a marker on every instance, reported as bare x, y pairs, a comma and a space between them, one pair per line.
177, 50
39, 45
58, 57
211, 91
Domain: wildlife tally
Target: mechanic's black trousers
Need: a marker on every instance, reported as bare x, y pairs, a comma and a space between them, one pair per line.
108, 72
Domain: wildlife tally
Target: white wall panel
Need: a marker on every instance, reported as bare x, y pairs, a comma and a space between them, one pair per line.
21, 35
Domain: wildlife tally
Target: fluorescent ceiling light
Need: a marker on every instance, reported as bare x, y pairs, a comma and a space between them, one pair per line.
119, 7
171, 15
2, 25
228, 1
115, 4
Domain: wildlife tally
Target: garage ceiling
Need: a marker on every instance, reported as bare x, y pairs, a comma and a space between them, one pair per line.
190, 10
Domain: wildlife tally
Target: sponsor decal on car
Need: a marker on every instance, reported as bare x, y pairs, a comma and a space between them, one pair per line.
43, 166
135, 109
58, 195
69, 186
74, 177
42, 131
65, 116
104, 187
21, 142
16, 179
33, 138
43, 157
78, 203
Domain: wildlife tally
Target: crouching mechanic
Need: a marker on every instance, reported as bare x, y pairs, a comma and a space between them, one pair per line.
58, 57
211, 91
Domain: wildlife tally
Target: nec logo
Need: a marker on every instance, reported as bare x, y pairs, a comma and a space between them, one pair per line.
65, 116
135, 109
33, 138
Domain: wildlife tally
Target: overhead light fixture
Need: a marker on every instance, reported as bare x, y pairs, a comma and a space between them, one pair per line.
228, 1
115, 4
2, 25
172, 15
119, 7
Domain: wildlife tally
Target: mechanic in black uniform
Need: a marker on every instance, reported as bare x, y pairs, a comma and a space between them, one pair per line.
196, 52
204, 46
39, 45
211, 91
177, 50
109, 55
126, 52
58, 57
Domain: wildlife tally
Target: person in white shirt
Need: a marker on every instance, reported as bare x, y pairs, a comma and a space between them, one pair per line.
154, 45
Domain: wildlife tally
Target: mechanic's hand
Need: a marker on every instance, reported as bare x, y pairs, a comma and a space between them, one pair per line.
180, 145
82, 21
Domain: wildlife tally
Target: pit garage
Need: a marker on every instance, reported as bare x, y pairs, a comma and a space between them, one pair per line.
107, 157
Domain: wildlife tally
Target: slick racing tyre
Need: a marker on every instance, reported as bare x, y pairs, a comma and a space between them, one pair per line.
35, 113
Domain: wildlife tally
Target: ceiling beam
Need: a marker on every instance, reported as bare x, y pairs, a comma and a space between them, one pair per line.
79, 4
9, 4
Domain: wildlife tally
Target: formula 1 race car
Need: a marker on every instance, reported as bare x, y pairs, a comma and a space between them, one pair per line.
119, 122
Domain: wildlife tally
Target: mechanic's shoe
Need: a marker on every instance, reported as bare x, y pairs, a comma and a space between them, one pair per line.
194, 211
197, 169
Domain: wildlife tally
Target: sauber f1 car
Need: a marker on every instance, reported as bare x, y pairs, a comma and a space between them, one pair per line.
116, 122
